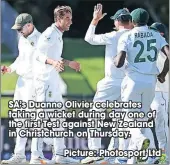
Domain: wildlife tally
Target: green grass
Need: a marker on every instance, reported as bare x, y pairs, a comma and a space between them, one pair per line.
90, 57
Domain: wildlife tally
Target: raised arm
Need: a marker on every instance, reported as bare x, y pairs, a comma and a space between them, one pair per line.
90, 36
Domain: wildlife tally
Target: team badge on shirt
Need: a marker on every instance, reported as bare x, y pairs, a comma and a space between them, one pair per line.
50, 94
32, 43
59, 39
47, 38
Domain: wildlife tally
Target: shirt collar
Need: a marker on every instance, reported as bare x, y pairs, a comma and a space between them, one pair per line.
32, 34
123, 30
141, 27
56, 28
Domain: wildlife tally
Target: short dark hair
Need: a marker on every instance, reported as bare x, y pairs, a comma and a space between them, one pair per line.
124, 18
60, 11
139, 24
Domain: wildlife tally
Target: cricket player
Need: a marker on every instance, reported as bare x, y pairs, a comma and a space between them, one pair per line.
161, 101
23, 66
109, 88
47, 66
140, 48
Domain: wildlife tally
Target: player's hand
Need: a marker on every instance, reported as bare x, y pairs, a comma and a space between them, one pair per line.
74, 65
5, 69
161, 78
97, 14
58, 65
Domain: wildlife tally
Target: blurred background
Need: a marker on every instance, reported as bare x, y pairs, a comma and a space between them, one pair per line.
80, 85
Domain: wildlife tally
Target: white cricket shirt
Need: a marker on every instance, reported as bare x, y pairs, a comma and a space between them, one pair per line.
23, 65
111, 41
142, 46
50, 45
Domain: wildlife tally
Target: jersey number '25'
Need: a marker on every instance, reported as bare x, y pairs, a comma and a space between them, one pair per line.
149, 48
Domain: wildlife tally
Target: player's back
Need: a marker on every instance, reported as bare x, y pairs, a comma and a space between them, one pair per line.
111, 52
143, 45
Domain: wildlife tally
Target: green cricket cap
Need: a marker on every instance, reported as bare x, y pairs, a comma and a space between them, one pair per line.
158, 27
21, 20
140, 15
119, 13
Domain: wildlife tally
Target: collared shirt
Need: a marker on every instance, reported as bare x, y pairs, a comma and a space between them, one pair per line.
141, 45
111, 41
24, 63
50, 45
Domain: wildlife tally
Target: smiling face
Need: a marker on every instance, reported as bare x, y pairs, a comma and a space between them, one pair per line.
63, 17
65, 22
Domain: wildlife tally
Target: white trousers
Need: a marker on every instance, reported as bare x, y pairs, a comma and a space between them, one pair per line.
160, 104
24, 92
107, 89
137, 91
48, 91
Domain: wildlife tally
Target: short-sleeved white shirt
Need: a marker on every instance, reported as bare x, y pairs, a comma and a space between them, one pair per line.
142, 46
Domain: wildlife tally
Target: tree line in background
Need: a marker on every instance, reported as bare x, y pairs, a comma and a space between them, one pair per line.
42, 12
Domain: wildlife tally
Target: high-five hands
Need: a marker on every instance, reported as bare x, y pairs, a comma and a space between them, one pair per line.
97, 14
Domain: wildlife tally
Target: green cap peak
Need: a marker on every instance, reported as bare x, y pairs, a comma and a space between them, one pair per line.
119, 13
21, 20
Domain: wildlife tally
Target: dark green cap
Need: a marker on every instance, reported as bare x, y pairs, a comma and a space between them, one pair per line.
21, 20
119, 13
158, 27
140, 16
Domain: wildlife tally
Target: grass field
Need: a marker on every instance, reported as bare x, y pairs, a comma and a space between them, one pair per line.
90, 57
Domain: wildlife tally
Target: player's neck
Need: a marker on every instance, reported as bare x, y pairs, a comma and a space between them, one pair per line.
31, 31
124, 27
59, 27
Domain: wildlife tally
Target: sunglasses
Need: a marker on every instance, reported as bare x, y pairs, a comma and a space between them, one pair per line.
19, 30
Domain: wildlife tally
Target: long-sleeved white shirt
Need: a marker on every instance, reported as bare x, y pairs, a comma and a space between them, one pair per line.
111, 41
162, 87
23, 65
50, 45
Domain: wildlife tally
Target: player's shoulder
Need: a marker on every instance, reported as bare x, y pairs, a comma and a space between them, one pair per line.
111, 34
154, 32
21, 40
126, 35
37, 33
49, 34
34, 39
